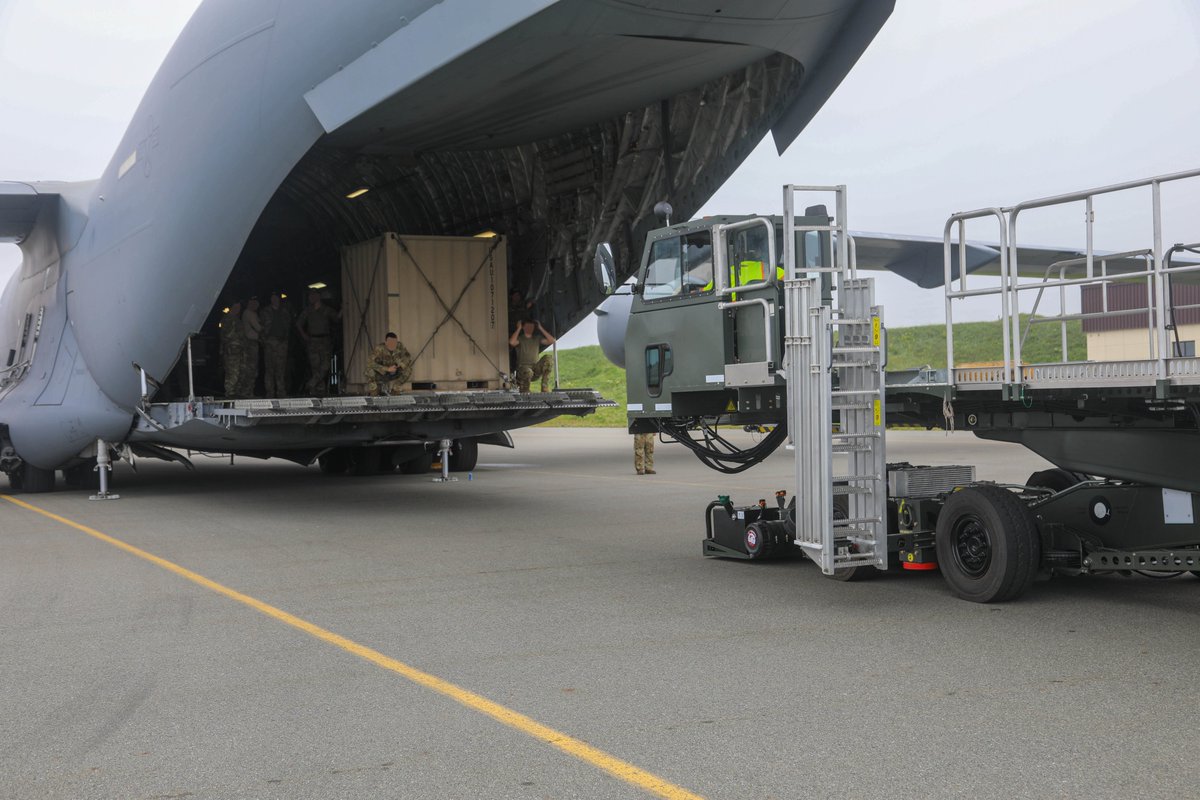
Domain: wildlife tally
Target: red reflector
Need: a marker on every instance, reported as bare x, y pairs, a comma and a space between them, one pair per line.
919, 565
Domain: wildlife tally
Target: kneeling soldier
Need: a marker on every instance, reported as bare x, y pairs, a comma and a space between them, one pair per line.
528, 340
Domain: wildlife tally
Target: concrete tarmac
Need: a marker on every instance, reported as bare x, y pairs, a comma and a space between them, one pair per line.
559, 585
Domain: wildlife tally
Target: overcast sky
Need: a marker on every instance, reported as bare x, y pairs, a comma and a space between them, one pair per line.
956, 105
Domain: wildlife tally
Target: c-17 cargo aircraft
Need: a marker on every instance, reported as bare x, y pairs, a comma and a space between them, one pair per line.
275, 134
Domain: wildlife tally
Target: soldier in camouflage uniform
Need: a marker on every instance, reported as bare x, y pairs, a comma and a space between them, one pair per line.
643, 453
252, 333
315, 324
233, 349
277, 328
389, 367
527, 345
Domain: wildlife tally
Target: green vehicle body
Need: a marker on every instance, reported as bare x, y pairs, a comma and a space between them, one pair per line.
679, 341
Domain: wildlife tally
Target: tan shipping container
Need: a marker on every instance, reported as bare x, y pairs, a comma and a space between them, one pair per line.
406, 284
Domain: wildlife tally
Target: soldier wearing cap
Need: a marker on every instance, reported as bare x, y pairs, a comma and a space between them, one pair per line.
277, 328
233, 349
528, 345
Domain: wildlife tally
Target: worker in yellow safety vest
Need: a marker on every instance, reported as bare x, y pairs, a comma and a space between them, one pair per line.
746, 272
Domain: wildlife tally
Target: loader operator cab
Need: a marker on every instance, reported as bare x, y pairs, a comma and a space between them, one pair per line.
697, 345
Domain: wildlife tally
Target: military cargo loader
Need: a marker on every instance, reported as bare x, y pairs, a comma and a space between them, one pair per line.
770, 322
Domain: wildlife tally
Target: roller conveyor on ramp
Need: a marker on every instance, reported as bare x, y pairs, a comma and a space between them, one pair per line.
270, 425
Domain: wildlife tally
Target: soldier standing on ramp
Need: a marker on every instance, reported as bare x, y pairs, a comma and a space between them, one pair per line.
233, 349
389, 367
529, 366
252, 330
277, 328
316, 329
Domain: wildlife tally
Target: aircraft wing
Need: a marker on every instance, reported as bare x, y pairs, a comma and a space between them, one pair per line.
19, 207
917, 258
920, 259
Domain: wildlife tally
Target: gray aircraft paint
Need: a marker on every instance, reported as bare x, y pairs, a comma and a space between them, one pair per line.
121, 270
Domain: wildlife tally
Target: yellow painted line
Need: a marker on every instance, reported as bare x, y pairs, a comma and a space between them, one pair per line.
567, 744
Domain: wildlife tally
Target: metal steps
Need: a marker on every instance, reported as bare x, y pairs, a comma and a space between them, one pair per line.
812, 361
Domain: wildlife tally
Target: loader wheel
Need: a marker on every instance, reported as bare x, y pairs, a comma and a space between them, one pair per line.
987, 544
754, 539
863, 572
1056, 479
464, 455
850, 574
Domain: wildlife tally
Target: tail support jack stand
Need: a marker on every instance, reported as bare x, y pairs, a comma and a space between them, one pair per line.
104, 467
445, 477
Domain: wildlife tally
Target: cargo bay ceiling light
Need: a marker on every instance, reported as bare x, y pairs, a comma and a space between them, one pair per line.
357, 193
318, 285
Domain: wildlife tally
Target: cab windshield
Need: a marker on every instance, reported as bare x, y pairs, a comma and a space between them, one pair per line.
680, 266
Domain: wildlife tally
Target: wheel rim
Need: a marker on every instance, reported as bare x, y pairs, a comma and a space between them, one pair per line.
972, 546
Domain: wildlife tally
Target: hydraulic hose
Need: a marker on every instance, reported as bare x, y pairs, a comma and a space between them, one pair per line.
717, 453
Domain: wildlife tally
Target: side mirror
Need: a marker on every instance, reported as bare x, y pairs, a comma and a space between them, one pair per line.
606, 268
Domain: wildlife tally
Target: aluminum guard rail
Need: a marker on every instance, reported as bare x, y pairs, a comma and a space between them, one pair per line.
721, 274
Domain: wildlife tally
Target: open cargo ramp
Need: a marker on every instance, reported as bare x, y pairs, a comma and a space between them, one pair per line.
300, 428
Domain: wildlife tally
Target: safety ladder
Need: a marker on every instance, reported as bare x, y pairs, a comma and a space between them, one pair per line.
823, 342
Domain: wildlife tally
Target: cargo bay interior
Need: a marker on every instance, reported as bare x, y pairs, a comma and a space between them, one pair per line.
532, 163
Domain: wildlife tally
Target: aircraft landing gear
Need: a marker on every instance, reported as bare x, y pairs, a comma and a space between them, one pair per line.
27, 479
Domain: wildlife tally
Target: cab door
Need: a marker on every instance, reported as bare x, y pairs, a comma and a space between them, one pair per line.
747, 266
675, 343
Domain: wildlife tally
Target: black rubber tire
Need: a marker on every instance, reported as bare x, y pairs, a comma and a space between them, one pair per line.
81, 476
419, 465
1056, 479
387, 460
754, 540
854, 574
849, 574
364, 461
335, 462
32, 480
464, 455
988, 546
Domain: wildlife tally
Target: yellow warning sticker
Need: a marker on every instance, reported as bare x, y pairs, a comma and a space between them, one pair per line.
731, 406
876, 336
878, 413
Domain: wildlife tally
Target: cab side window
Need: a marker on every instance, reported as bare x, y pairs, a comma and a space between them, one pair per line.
697, 262
659, 364
664, 273
748, 250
